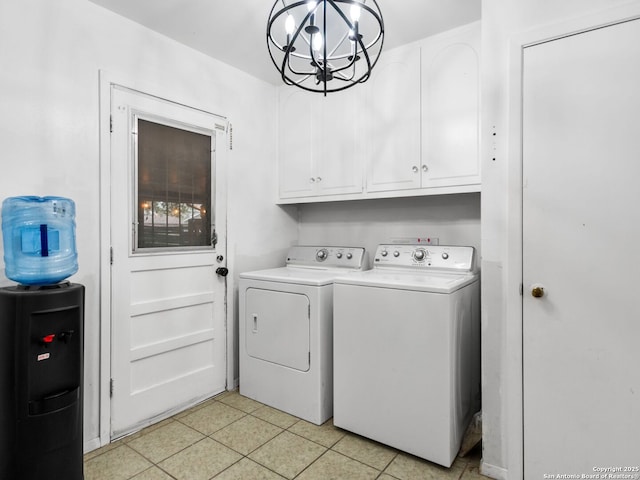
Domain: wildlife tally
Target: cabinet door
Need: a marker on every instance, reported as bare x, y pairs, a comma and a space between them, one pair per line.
450, 109
295, 143
393, 121
338, 143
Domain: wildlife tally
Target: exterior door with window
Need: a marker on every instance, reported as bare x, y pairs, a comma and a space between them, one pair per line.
168, 239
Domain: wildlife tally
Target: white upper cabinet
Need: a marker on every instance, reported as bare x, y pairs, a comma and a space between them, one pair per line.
450, 108
392, 123
320, 144
411, 129
339, 144
295, 144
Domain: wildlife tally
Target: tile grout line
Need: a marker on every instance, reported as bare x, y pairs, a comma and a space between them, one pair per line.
327, 449
467, 468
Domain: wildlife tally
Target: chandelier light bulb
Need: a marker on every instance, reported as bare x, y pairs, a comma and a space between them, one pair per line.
355, 12
290, 24
317, 42
325, 45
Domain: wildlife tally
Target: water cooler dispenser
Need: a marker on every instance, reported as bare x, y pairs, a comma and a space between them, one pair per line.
41, 345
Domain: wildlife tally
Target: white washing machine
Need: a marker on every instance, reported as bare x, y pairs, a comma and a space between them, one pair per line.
286, 330
407, 349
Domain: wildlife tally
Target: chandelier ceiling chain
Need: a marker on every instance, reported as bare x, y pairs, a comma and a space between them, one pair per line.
325, 45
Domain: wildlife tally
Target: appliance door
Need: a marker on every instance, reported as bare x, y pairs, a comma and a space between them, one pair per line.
277, 327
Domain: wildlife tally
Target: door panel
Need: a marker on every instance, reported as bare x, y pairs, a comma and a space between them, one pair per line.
451, 114
393, 122
338, 162
581, 146
277, 327
295, 144
168, 315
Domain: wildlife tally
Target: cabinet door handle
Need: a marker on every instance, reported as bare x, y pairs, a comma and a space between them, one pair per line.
425, 168
312, 180
319, 179
415, 169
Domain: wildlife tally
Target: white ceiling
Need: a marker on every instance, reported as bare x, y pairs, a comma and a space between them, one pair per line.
234, 31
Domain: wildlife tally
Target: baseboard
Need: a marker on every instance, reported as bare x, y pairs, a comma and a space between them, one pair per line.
492, 471
92, 444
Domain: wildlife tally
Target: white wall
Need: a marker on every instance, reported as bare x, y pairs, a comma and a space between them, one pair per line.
50, 55
502, 22
454, 219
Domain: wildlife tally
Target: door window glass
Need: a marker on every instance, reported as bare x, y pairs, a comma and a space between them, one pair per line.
174, 198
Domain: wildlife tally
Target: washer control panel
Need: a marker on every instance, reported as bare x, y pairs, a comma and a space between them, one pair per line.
327, 257
438, 257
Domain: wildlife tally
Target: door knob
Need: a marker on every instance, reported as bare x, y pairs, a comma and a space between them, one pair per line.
537, 292
222, 271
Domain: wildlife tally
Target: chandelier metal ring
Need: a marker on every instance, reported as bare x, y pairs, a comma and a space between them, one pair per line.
325, 45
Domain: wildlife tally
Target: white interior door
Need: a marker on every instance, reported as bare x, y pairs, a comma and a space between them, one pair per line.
168, 238
581, 225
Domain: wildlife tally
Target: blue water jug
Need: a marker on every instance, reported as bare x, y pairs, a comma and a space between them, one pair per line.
39, 236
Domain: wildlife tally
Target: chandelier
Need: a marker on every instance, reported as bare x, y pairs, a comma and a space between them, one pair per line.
325, 45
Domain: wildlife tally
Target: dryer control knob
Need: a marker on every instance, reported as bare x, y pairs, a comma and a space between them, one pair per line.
321, 255
396, 253
349, 256
339, 255
419, 255
445, 255
384, 253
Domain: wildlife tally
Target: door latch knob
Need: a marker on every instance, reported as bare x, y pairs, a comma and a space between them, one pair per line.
222, 271
537, 292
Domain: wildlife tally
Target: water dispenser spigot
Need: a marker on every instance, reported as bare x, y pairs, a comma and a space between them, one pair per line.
66, 336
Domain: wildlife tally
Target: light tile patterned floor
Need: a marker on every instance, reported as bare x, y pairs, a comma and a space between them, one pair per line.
231, 437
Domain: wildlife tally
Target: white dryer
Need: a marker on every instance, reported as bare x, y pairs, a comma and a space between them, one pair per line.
407, 349
286, 330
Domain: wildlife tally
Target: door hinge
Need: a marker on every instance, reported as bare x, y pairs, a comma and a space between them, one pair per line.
309, 311
110, 123
111, 255
214, 237
111, 387
309, 358
521, 289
